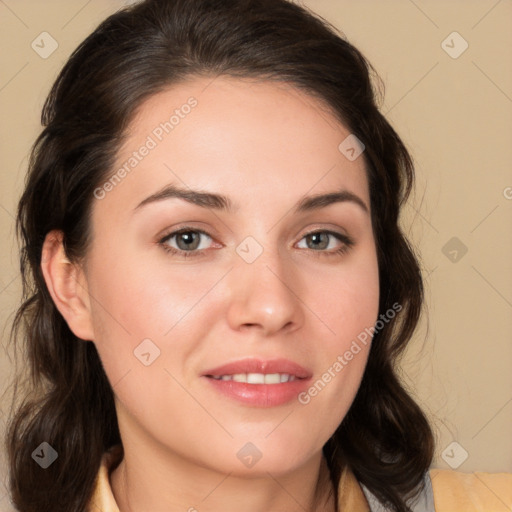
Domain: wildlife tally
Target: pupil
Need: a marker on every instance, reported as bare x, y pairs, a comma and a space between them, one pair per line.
188, 238
317, 238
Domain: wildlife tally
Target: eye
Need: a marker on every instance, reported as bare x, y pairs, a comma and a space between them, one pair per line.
187, 242
319, 241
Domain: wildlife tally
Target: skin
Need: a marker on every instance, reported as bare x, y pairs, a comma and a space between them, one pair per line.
265, 146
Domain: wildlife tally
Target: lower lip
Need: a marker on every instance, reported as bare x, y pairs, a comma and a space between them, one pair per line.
260, 395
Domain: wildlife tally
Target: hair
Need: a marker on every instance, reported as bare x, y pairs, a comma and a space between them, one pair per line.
65, 398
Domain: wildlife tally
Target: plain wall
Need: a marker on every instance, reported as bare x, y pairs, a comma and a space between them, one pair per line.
455, 116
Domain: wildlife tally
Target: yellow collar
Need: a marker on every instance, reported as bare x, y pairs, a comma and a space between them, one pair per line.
350, 493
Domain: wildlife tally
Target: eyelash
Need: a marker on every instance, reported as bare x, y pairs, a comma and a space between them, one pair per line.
347, 241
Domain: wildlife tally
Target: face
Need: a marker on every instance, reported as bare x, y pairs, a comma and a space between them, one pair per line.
254, 280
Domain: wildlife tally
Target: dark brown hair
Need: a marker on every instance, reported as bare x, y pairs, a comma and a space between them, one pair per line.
66, 399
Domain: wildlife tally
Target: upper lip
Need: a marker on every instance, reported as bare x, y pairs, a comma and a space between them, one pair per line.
264, 366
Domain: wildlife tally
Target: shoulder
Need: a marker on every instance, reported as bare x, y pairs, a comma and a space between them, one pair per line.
455, 491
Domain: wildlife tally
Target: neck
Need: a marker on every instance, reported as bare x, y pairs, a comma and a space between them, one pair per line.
161, 482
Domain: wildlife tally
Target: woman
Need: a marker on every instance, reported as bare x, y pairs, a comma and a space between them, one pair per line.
217, 288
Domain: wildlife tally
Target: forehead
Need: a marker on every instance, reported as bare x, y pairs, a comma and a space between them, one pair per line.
253, 140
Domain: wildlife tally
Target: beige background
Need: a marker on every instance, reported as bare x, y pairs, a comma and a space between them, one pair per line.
455, 115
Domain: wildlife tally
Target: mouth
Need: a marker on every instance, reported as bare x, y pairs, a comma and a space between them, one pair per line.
257, 378
259, 383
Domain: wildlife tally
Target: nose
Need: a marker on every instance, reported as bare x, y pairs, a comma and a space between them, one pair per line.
265, 295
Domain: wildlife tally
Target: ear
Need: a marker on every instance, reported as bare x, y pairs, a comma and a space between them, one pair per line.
67, 285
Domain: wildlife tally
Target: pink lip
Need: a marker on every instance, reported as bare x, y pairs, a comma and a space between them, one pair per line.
260, 395
260, 366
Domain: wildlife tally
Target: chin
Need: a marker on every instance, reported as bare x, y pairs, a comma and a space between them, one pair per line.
260, 455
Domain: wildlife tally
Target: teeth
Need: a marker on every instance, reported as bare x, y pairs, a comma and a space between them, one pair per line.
255, 378
272, 378
258, 378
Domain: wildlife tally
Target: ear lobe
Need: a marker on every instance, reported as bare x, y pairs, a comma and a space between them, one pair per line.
67, 286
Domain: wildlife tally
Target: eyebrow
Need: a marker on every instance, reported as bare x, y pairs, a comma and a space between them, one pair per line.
223, 203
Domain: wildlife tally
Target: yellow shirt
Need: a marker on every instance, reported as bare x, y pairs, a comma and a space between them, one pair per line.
453, 491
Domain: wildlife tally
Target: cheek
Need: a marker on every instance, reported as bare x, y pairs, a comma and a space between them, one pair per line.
140, 308
146, 329
348, 305
126, 293
346, 299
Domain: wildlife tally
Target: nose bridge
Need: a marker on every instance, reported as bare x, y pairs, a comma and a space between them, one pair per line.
262, 288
